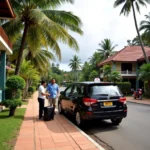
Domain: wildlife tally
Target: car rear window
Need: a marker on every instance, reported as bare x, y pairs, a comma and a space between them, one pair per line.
110, 90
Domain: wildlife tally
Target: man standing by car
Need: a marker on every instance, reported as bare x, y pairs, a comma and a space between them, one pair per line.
53, 90
41, 98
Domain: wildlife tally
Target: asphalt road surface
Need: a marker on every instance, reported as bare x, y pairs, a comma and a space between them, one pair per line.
132, 134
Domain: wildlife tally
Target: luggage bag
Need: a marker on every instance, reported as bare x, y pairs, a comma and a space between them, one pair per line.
48, 113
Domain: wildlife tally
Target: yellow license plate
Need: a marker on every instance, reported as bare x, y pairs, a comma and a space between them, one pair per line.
107, 104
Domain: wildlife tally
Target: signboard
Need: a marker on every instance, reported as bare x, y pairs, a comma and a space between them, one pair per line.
97, 80
0, 95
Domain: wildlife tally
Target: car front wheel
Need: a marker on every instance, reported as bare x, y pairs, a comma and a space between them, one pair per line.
116, 121
61, 111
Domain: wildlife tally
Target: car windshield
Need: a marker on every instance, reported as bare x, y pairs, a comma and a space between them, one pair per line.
104, 90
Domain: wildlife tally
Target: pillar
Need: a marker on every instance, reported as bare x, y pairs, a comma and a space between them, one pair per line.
2, 73
114, 66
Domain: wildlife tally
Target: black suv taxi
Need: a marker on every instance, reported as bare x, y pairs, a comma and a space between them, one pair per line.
91, 100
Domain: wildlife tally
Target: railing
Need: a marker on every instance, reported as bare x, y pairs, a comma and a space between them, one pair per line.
127, 72
123, 73
5, 37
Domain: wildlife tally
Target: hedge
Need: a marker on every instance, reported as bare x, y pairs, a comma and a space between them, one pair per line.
125, 87
32, 89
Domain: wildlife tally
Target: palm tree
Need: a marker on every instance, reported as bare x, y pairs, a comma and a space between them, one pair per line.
40, 58
28, 73
107, 72
75, 65
145, 25
106, 48
126, 9
95, 59
144, 74
39, 24
115, 76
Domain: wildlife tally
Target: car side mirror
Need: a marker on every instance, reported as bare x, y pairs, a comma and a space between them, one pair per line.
62, 92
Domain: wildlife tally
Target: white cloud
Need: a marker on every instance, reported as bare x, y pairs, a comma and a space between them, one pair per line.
100, 21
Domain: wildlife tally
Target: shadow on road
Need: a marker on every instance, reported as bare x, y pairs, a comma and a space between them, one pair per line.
95, 125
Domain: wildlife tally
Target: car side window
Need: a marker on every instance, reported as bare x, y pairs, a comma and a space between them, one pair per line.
80, 89
71, 91
68, 91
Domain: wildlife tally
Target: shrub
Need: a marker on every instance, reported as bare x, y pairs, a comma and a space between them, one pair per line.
12, 103
146, 89
32, 89
15, 82
9, 94
125, 87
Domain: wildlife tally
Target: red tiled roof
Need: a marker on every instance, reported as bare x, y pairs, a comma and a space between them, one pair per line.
142, 57
127, 54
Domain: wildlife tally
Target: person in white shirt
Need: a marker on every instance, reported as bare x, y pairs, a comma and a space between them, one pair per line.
41, 98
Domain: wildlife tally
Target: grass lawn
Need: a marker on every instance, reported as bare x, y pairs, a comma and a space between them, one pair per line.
9, 127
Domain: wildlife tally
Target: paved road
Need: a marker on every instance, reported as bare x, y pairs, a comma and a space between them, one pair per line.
132, 134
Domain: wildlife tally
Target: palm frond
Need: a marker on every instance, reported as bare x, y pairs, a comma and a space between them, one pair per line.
65, 19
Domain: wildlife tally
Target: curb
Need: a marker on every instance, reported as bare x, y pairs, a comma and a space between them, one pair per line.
139, 103
87, 136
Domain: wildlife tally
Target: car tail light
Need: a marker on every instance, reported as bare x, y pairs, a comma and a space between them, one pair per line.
122, 99
89, 101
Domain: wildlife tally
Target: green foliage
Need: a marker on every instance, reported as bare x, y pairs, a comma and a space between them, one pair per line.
93, 75
32, 89
9, 93
45, 26
15, 82
146, 89
12, 103
75, 65
144, 72
115, 76
106, 48
9, 128
56, 70
86, 70
125, 87
106, 72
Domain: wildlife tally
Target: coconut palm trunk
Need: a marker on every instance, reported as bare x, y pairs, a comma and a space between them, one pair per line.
136, 26
19, 59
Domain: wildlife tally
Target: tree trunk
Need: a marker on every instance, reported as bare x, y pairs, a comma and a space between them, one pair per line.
25, 91
19, 59
12, 111
141, 43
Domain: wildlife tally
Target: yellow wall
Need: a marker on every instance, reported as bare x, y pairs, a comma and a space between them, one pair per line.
118, 66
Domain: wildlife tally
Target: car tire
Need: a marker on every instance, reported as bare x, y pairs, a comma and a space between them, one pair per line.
116, 121
78, 119
61, 111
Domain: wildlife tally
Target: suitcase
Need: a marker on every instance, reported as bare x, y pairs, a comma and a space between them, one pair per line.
48, 113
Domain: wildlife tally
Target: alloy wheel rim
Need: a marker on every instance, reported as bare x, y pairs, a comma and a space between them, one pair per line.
78, 118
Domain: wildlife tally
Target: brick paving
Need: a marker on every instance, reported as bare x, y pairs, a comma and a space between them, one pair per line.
58, 134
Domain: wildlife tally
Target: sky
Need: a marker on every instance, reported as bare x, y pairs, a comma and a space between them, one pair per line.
100, 21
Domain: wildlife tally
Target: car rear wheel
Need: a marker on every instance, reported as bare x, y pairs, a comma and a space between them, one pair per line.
61, 111
78, 119
116, 121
